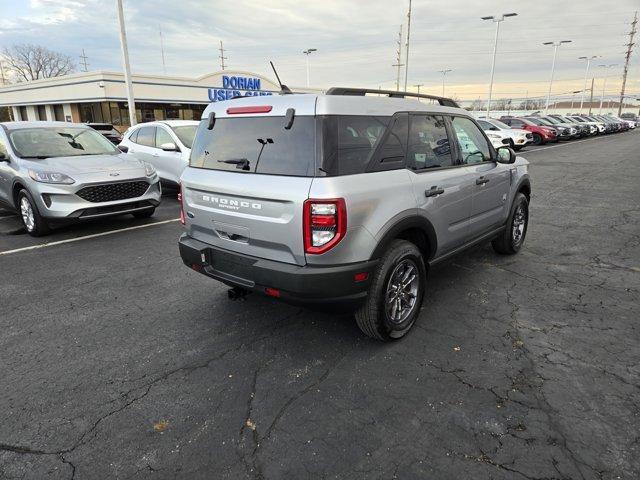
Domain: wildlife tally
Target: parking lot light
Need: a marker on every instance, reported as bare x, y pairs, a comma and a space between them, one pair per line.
307, 52
444, 73
604, 83
553, 68
586, 74
496, 19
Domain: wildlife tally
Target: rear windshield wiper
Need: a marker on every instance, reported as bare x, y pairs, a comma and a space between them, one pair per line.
242, 163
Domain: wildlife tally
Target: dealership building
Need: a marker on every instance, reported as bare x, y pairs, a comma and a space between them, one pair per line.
101, 96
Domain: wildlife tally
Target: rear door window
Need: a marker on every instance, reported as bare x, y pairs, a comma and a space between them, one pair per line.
258, 145
473, 144
428, 143
147, 136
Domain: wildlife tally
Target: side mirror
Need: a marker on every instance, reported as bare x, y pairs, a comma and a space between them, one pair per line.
123, 148
506, 155
169, 147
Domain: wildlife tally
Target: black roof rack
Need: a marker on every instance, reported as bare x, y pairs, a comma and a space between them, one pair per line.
445, 102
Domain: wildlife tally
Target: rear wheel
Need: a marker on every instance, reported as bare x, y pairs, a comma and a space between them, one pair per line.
511, 240
33, 222
395, 295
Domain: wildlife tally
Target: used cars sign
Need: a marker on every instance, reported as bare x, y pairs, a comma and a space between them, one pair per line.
233, 86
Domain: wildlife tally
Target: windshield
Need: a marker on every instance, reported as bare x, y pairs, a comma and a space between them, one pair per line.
537, 121
45, 142
186, 134
499, 124
550, 121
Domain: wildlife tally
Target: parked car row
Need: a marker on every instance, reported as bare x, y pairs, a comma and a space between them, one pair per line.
555, 127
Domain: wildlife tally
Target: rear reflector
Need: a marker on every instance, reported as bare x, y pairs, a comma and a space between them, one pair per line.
272, 292
252, 109
360, 277
197, 267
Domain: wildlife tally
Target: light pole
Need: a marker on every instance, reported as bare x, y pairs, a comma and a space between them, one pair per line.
307, 52
496, 19
125, 63
604, 83
573, 96
418, 85
586, 73
444, 73
553, 68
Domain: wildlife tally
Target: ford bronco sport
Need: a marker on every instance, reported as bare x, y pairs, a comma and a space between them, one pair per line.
346, 198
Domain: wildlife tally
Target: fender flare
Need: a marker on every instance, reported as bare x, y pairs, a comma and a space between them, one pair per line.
414, 221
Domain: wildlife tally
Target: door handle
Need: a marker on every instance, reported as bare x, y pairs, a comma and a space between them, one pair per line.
482, 181
433, 191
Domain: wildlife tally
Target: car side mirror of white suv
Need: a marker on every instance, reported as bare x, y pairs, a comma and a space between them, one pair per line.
506, 155
169, 147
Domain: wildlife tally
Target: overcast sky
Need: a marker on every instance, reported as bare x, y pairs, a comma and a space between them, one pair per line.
356, 40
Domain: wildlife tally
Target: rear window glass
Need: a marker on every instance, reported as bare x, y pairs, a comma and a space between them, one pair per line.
257, 144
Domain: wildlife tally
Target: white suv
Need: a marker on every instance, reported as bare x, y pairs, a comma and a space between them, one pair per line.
164, 144
515, 138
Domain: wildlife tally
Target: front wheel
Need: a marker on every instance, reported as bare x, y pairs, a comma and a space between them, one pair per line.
510, 241
537, 139
395, 295
34, 224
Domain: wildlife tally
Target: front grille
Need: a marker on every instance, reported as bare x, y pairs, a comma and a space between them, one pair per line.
113, 191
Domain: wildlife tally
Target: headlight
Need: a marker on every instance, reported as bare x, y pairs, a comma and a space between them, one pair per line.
492, 135
51, 177
149, 169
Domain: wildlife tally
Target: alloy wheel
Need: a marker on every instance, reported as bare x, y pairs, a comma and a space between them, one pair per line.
26, 210
402, 291
519, 224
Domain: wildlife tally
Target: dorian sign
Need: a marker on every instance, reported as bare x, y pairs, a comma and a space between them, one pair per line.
234, 86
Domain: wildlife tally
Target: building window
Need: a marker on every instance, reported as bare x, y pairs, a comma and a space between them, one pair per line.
58, 113
42, 112
22, 110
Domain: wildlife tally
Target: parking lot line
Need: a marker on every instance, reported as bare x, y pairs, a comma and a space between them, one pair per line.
86, 237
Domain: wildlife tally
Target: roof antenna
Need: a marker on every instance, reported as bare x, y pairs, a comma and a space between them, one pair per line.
284, 90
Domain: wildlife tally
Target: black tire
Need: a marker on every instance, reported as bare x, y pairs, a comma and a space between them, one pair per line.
34, 223
511, 240
144, 213
373, 316
537, 139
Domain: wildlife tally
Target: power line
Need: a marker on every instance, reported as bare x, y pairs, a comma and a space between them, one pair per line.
222, 57
626, 60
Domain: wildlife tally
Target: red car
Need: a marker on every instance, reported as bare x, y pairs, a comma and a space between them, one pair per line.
541, 134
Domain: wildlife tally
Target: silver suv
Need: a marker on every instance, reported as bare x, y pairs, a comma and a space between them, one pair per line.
346, 199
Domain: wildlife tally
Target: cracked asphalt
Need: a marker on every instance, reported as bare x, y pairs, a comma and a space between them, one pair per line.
116, 361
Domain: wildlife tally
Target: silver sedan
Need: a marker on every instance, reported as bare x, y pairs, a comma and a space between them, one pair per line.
56, 172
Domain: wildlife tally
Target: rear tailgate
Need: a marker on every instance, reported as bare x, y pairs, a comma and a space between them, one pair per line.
258, 215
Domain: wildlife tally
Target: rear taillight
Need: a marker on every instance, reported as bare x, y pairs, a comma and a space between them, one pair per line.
324, 224
181, 205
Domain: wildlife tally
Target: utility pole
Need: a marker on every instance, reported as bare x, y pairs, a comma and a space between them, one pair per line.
444, 73
398, 59
626, 60
406, 53
418, 85
222, 57
125, 63
591, 95
83, 62
164, 65
553, 68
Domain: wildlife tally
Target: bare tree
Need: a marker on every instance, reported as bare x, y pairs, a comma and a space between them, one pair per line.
31, 62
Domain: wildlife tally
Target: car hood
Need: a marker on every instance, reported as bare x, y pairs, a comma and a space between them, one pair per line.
88, 164
515, 131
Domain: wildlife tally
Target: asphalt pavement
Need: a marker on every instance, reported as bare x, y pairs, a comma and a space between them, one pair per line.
116, 361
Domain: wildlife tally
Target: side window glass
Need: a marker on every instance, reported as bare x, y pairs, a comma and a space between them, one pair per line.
134, 136
350, 142
147, 136
162, 136
428, 143
473, 146
391, 153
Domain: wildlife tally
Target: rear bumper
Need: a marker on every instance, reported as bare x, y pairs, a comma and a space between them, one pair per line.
332, 287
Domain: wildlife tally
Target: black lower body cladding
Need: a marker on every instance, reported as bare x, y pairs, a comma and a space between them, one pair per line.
331, 287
